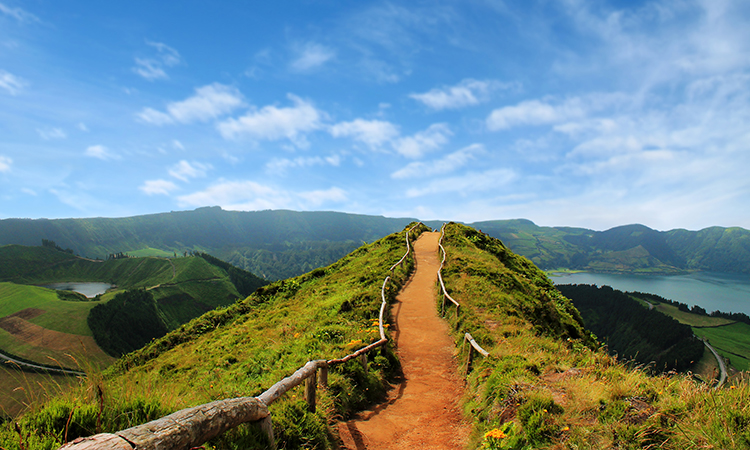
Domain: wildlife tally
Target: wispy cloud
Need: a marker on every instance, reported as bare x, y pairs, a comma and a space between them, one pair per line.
185, 170
158, 187
416, 145
153, 68
447, 164
101, 152
19, 14
550, 111
373, 133
245, 195
466, 184
11, 83
5, 163
310, 55
279, 166
273, 123
468, 92
209, 102
51, 133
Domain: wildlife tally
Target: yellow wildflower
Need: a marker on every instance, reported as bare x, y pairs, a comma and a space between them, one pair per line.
495, 433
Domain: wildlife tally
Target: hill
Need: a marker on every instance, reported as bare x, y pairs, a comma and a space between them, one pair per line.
543, 385
629, 248
177, 289
281, 244
272, 244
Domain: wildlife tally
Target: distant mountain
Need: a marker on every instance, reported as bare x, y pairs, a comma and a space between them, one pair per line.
272, 244
629, 248
281, 244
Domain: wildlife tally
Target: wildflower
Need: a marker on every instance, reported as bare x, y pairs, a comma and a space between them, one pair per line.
565, 428
495, 433
732, 387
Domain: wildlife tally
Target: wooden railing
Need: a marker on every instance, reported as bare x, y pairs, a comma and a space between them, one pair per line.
473, 346
192, 427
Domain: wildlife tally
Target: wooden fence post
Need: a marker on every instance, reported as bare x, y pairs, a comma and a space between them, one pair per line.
310, 384
468, 358
324, 376
267, 427
363, 360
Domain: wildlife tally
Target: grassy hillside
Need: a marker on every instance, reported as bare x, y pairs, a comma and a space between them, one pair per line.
539, 389
544, 385
273, 244
242, 350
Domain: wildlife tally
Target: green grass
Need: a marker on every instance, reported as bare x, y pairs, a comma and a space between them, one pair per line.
688, 318
245, 348
148, 251
731, 341
66, 317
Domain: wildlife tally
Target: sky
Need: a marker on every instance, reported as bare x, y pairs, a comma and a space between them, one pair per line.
578, 113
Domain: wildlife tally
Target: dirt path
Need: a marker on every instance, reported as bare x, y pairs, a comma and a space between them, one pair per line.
422, 412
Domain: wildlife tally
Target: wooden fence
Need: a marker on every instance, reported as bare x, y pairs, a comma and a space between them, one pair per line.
473, 346
191, 427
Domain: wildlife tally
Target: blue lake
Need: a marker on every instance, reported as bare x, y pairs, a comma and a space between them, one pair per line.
709, 290
89, 289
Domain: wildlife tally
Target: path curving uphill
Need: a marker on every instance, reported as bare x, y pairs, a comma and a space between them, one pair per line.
423, 410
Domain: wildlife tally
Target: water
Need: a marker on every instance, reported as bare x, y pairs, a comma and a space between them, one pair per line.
712, 291
89, 289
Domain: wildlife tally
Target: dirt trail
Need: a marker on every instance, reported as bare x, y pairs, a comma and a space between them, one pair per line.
422, 412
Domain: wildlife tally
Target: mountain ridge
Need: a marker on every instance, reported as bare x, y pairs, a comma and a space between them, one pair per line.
278, 244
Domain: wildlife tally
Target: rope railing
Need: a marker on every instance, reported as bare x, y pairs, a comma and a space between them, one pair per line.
192, 427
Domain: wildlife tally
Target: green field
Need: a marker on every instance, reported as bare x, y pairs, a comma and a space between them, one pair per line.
694, 320
66, 317
731, 341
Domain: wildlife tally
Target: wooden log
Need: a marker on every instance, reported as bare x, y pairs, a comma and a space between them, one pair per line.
193, 426
468, 360
310, 385
187, 428
281, 387
104, 441
346, 358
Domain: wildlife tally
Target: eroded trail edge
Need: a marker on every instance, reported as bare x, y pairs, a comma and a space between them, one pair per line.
423, 410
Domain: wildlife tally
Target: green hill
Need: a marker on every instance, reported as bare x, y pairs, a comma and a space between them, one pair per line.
543, 385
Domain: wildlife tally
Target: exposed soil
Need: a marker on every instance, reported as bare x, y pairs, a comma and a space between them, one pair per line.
422, 411
41, 337
28, 313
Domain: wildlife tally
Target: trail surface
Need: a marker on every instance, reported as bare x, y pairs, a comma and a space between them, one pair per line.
422, 411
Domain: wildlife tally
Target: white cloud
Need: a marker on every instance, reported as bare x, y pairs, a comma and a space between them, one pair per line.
51, 133
317, 198
209, 102
549, 111
238, 195
154, 117
374, 133
447, 164
279, 166
185, 170
311, 56
18, 14
422, 142
101, 152
82, 126
466, 93
11, 83
252, 196
274, 123
153, 68
466, 184
5, 163
158, 187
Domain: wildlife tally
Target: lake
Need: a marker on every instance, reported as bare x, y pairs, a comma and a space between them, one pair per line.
726, 292
89, 289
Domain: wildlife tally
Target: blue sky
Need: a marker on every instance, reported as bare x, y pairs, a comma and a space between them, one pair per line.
564, 112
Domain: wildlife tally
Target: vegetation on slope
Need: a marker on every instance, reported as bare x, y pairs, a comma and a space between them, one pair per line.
242, 350
633, 331
541, 389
